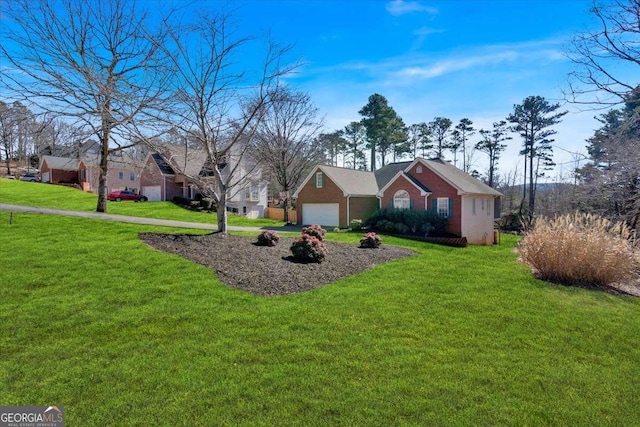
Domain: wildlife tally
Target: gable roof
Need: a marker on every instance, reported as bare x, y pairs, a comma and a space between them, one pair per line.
124, 161
420, 186
459, 179
60, 163
174, 159
352, 182
165, 168
386, 173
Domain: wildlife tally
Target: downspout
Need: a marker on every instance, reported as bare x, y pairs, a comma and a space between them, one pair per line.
348, 213
164, 188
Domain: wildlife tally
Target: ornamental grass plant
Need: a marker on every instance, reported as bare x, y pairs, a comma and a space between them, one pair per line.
580, 249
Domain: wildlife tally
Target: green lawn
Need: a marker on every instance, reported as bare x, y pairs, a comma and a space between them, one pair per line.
60, 197
120, 334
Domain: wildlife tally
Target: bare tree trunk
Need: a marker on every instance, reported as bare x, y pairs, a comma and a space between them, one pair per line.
222, 213
285, 205
104, 162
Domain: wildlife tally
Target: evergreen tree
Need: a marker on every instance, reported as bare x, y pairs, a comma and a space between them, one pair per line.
440, 129
491, 144
355, 134
532, 120
384, 128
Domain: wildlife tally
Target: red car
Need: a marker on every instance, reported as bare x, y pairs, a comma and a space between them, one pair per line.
118, 196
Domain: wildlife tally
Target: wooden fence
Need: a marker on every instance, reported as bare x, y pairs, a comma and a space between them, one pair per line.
278, 214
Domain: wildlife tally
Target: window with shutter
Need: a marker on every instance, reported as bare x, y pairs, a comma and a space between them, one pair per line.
401, 200
443, 206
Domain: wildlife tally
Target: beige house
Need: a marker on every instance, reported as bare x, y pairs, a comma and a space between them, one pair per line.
166, 173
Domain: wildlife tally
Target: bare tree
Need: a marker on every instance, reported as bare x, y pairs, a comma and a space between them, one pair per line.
217, 104
606, 56
285, 139
7, 130
95, 62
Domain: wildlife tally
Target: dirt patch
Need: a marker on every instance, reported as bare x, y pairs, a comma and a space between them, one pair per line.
261, 270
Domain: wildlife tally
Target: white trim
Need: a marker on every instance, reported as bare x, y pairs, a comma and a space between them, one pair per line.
405, 200
304, 183
395, 177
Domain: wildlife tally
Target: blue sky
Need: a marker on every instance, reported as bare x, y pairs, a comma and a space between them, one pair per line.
454, 58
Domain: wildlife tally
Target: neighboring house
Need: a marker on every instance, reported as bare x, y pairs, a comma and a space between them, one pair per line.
59, 170
123, 172
334, 196
81, 150
166, 172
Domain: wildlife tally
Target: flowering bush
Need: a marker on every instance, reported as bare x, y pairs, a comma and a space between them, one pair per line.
370, 240
308, 248
268, 238
315, 231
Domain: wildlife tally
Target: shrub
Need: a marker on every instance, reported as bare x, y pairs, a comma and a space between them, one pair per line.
370, 240
355, 224
182, 201
579, 249
308, 248
206, 203
391, 227
268, 238
410, 220
315, 231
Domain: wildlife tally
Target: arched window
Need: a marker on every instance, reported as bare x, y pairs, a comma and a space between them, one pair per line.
401, 200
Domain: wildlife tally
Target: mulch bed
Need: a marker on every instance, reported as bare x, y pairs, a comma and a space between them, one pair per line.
240, 263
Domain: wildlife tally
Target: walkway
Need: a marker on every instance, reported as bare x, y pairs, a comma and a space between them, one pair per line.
135, 219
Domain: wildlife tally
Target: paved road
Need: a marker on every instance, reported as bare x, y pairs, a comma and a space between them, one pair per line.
134, 219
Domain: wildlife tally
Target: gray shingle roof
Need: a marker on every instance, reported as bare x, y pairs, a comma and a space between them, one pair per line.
61, 163
387, 172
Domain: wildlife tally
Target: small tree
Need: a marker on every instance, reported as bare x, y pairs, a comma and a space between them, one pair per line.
215, 106
284, 141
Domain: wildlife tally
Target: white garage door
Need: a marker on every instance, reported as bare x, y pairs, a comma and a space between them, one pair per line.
152, 193
320, 213
45, 176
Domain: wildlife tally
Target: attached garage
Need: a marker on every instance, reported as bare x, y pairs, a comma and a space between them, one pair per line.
327, 214
152, 193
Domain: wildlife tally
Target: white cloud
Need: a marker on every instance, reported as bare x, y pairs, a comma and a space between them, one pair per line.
455, 64
402, 7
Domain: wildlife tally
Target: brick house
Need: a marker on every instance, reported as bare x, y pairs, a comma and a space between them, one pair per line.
334, 196
123, 172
